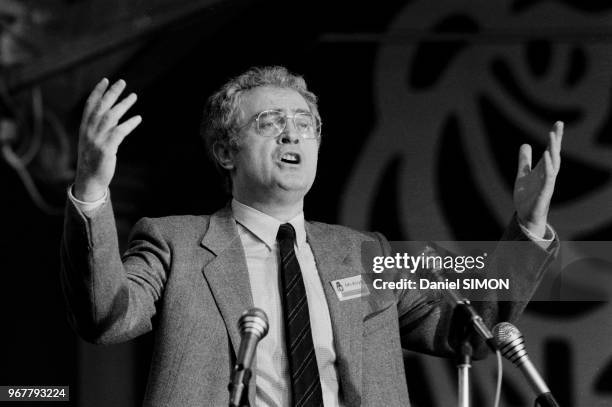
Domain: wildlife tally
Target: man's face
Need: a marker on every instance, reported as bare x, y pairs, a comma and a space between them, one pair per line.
273, 167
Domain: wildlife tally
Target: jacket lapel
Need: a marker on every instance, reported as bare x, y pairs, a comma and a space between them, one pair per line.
331, 255
227, 273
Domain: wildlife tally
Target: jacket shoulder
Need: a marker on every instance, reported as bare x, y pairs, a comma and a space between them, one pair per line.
172, 228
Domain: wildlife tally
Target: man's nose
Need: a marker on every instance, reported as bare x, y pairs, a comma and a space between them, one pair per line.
289, 135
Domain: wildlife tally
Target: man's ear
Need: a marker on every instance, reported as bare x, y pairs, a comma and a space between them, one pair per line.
224, 155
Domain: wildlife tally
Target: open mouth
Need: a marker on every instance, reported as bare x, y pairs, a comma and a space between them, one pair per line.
290, 158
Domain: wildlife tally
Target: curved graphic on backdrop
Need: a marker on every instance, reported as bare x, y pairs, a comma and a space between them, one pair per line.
506, 76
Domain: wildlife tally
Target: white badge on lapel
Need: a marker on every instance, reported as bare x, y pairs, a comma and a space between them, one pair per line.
350, 287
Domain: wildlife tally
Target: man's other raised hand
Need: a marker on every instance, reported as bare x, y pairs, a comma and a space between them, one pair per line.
533, 188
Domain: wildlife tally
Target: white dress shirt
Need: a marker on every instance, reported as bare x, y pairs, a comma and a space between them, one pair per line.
258, 235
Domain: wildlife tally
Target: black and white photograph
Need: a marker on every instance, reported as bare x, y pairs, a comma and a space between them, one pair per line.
298, 204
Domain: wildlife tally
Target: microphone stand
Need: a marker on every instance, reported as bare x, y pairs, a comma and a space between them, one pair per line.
242, 387
460, 335
463, 320
464, 363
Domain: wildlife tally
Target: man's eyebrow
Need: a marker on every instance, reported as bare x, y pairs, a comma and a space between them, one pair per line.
300, 110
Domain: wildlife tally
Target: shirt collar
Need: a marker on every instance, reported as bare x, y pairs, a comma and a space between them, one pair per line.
265, 227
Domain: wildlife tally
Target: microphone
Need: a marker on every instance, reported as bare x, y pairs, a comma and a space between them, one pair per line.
253, 325
512, 345
463, 305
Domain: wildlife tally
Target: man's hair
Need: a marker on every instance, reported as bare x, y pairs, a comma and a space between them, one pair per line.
220, 123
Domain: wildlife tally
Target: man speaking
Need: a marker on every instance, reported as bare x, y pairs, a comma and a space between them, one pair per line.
189, 278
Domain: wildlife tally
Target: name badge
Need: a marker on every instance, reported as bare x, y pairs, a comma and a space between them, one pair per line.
350, 287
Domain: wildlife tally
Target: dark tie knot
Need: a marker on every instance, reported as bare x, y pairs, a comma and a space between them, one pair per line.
285, 233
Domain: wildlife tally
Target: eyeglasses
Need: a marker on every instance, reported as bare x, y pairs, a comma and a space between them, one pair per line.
271, 123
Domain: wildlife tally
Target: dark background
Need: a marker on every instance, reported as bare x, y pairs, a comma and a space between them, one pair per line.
424, 105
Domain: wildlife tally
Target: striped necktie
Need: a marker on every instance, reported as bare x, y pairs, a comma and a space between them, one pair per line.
305, 382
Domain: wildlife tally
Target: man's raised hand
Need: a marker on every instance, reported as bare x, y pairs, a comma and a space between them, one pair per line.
99, 137
533, 188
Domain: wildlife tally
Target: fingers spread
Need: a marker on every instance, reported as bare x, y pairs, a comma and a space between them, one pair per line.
524, 160
106, 102
112, 117
120, 132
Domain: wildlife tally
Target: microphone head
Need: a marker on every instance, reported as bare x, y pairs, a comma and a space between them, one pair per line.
510, 342
505, 332
253, 321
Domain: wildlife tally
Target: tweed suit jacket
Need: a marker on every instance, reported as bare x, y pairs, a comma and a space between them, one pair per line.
186, 278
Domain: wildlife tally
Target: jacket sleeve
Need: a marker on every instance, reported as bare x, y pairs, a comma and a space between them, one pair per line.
426, 317
111, 299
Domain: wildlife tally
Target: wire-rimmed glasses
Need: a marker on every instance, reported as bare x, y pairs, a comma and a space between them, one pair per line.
271, 123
